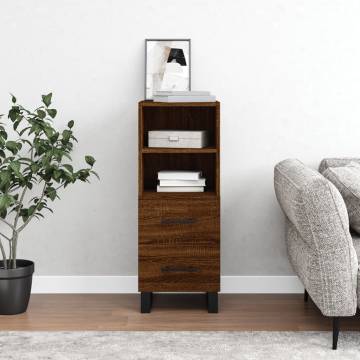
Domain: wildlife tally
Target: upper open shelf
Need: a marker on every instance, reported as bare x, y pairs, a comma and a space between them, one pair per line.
179, 117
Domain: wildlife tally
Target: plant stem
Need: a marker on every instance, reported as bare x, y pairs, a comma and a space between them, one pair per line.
3, 255
20, 206
31, 216
15, 233
14, 245
10, 250
4, 236
7, 223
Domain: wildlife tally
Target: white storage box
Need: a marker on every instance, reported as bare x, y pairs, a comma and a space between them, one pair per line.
178, 138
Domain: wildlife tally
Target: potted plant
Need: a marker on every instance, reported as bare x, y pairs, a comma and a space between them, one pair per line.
35, 164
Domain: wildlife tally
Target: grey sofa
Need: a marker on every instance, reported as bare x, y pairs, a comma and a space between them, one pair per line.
322, 251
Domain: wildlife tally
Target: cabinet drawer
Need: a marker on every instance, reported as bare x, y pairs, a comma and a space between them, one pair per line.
179, 245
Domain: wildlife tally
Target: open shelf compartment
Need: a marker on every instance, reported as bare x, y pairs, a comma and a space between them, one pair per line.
179, 118
153, 163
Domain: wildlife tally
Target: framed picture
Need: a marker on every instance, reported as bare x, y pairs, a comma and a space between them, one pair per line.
167, 65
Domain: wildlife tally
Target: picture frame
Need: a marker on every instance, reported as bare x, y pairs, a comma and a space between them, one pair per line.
167, 65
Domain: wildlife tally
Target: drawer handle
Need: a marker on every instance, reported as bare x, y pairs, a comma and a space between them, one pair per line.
173, 138
189, 269
177, 221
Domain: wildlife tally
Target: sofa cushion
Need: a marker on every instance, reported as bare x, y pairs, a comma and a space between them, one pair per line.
336, 162
347, 180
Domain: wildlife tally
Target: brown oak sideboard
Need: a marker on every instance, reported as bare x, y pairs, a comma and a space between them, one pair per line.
179, 233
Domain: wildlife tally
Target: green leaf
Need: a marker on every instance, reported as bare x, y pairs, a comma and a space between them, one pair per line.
16, 124
51, 193
15, 166
12, 146
3, 214
52, 112
66, 136
13, 98
69, 168
4, 180
3, 134
89, 160
31, 210
56, 174
53, 138
5, 201
70, 124
13, 113
46, 99
34, 168
83, 174
41, 114
49, 132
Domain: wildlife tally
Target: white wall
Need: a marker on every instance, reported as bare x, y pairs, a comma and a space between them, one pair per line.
287, 74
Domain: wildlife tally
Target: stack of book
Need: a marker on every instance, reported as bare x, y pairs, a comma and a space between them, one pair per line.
180, 181
183, 96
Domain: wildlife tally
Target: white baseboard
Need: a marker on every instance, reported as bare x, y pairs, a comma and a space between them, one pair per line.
129, 284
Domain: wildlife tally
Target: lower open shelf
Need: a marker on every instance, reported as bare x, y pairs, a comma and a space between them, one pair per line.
152, 163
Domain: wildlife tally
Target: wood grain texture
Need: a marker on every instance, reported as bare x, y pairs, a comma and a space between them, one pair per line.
180, 312
179, 245
175, 253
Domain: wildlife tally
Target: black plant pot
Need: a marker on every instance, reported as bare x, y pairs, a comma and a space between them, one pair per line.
15, 287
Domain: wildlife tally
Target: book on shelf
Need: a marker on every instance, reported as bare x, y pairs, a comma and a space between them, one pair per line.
179, 175
169, 183
185, 98
180, 188
182, 93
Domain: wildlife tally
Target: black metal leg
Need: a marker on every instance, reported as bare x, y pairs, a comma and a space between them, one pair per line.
146, 302
306, 296
336, 329
212, 302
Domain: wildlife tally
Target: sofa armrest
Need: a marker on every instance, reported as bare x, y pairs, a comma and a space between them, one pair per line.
329, 277
318, 218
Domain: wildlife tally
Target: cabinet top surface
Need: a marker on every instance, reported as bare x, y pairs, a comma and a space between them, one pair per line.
150, 103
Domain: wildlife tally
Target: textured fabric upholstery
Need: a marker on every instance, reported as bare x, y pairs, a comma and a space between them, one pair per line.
335, 162
347, 181
318, 239
356, 242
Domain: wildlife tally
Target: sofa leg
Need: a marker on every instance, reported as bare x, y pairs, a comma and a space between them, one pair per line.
336, 329
306, 296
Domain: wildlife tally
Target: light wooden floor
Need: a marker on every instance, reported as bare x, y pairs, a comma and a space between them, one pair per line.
170, 312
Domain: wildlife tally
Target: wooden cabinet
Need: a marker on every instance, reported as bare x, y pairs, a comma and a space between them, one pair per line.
179, 233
